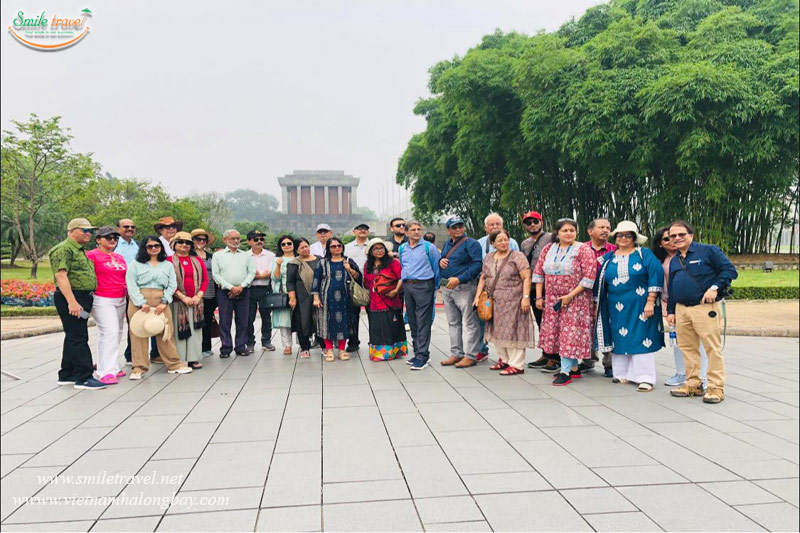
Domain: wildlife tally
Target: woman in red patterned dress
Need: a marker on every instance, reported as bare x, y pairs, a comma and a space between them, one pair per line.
568, 270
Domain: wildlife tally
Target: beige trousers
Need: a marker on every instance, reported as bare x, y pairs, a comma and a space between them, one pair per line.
693, 326
140, 346
512, 356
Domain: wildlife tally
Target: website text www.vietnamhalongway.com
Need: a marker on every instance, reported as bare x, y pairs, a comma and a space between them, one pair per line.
129, 497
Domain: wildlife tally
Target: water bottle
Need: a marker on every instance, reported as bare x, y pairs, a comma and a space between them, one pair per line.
673, 337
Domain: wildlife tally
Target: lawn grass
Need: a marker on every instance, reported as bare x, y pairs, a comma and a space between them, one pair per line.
759, 278
22, 270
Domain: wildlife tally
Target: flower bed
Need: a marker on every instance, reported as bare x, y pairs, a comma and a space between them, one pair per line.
21, 293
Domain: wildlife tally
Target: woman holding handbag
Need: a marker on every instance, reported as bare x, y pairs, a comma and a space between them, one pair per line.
505, 288
331, 291
387, 335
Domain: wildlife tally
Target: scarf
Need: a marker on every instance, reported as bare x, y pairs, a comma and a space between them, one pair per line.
305, 272
184, 331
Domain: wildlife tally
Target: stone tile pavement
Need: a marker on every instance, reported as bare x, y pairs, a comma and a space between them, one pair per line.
272, 443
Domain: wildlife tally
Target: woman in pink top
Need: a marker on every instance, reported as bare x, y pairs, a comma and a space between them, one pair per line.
188, 313
108, 309
382, 278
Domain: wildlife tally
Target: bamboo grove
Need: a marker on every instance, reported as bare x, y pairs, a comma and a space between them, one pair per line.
645, 110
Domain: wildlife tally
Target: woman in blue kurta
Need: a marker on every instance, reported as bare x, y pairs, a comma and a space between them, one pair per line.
332, 278
629, 323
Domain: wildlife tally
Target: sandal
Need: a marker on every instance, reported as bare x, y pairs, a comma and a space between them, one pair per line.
305, 354
329, 356
644, 387
512, 371
499, 366
194, 365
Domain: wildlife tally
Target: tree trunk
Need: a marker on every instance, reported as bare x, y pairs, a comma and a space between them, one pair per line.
35, 258
34, 268
15, 249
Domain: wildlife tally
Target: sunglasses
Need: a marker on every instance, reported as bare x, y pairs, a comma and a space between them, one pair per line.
678, 235
258, 239
182, 241
324, 231
172, 226
531, 221
128, 227
87, 231
153, 246
201, 239
110, 237
625, 236
335, 246
286, 243
666, 238
399, 226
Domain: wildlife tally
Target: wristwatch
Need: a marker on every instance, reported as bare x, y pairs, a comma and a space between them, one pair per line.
714, 287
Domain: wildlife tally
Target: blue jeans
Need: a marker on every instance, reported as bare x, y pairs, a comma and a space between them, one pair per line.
567, 364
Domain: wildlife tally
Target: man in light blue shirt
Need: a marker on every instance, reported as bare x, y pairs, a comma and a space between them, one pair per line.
420, 263
493, 222
126, 246
234, 270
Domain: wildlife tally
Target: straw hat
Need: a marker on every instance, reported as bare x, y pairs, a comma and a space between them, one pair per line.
167, 221
626, 226
148, 324
201, 231
180, 236
376, 240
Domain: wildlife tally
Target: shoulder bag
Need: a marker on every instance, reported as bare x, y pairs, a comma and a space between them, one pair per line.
359, 296
277, 300
485, 301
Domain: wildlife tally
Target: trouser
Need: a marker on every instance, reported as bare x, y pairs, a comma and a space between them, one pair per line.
127, 321
209, 306
680, 366
568, 364
190, 348
419, 305
638, 368
286, 336
166, 348
694, 327
228, 309
304, 342
463, 321
340, 344
484, 345
512, 356
257, 303
76, 356
153, 348
109, 314
353, 341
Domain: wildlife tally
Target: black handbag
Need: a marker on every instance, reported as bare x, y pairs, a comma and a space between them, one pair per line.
277, 300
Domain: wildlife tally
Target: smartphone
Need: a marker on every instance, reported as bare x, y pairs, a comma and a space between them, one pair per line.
443, 282
557, 306
84, 314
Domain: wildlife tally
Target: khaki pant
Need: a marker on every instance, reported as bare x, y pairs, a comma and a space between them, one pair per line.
694, 326
512, 356
140, 349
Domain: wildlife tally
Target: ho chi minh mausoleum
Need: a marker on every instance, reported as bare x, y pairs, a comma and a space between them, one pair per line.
310, 197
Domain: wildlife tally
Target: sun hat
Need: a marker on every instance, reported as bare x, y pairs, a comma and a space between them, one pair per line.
627, 226
201, 231
79, 223
376, 240
181, 236
167, 221
148, 324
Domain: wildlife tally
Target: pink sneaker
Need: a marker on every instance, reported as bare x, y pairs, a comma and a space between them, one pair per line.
109, 379
121, 374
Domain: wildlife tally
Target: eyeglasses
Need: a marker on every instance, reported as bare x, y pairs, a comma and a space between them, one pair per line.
234, 238
128, 227
201, 239
153, 246
678, 235
110, 237
286, 243
625, 236
335, 246
258, 239
185, 242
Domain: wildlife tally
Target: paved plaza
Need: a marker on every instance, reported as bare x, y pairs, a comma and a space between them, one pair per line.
271, 443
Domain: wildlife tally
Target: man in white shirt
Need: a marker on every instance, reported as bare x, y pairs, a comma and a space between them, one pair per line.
259, 289
355, 250
324, 233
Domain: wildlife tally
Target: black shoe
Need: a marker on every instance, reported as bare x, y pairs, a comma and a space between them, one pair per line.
250, 348
609, 372
552, 367
243, 353
352, 349
575, 374
562, 379
542, 361
268, 346
223, 355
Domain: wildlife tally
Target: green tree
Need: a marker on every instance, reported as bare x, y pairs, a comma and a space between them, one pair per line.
247, 204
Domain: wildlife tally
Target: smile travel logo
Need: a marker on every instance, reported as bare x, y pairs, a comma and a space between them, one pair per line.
42, 32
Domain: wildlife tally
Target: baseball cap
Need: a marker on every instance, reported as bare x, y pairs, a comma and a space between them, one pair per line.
531, 214
81, 223
255, 233
452, 221
322, 227
361, 225
105, 231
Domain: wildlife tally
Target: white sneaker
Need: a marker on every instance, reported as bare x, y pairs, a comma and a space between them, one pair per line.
135, 375
408, 327
181, 370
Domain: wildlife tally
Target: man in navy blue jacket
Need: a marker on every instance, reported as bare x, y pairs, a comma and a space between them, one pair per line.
699, 276
461, 265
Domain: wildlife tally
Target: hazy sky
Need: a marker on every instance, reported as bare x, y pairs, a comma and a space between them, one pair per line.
205, 96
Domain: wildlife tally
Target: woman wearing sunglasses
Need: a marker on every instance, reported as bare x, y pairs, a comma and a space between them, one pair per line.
282, 318
108, 310
187, 302
629, 324
151, 284
335, 318
202, 240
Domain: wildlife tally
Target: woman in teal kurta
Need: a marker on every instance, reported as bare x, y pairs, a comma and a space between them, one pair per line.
282, 318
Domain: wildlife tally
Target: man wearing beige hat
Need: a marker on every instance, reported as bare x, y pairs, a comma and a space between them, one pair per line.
167, 227
75, 280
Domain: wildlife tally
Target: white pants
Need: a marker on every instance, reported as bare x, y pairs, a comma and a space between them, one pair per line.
286, 336
512, 356
109, 313
639, 368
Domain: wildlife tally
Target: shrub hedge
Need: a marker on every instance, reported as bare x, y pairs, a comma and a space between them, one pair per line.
10, 310
764, 293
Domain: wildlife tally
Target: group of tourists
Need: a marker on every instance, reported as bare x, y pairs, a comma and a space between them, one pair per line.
591, 301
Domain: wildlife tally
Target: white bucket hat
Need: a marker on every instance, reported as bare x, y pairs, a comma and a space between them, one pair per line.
376, 240
627, 226
149, 324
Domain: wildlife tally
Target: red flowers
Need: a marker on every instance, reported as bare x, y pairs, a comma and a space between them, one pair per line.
26, 294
